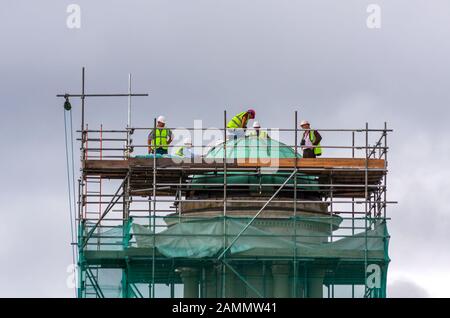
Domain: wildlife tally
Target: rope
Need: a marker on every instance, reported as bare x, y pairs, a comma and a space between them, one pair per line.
70, 181
74, 230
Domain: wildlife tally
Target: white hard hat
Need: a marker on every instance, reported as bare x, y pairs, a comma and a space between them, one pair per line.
256, 124
161, 119
187, 141
304, 122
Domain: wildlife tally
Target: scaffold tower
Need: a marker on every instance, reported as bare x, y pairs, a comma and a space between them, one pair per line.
246, 217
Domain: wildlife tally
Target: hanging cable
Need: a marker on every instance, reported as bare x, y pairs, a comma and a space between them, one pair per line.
74, 203
68, 135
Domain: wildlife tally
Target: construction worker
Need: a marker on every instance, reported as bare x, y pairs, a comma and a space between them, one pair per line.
185, 151
160, 138
257, 132
310, 141
238, 124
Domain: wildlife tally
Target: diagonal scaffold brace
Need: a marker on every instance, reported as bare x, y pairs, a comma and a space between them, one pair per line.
256, 215
116, 197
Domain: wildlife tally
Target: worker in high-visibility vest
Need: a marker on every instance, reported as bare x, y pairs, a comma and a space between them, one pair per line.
257, 132
238, 124
160, 138
185, 151
310, 141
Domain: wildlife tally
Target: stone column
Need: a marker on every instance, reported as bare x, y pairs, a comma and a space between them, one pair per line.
280, 273
189, 276
315, 283
254, 276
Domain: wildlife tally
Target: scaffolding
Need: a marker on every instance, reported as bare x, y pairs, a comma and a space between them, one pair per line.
230, 223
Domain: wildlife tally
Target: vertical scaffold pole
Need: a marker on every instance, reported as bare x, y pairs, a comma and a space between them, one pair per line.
154, 213
385, 234
100, 177
353, 204
80, 240
82, 99
126, 232
353, 198
83, 180
224, 200
331, 206
179, 197
385, 150
295, 269
128, 146
100, 193
149, 226
83, 141
129, 101
366, 195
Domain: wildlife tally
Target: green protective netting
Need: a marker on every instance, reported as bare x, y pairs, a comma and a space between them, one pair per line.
104, 238
199, 239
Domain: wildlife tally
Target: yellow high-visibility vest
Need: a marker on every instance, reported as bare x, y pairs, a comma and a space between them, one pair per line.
236, 121
159, 139
317, 149
180, 151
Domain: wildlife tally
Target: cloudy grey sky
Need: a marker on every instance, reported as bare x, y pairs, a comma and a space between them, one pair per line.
197, 58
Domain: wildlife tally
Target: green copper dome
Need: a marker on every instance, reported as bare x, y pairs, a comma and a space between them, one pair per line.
253, 147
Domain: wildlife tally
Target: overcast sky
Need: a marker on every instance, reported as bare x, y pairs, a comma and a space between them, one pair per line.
197, 58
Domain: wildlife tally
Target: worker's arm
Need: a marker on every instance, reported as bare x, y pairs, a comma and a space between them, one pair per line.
318, 138
303, 141
244, 121
149, 146
170, 137
149, 143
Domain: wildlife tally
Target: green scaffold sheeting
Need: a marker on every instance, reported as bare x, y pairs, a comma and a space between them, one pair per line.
199, 239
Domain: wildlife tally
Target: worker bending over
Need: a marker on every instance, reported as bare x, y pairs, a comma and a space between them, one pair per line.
238, 124
310, 141
160, 138
257, 132
186, 151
